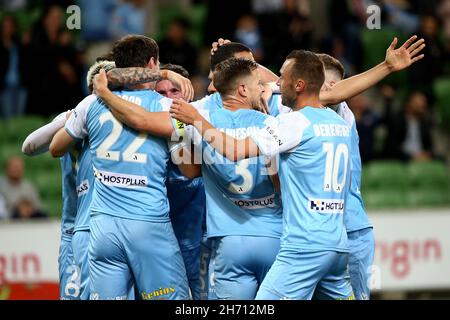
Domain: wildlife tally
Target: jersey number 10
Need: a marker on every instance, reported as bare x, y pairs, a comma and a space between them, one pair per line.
332, 167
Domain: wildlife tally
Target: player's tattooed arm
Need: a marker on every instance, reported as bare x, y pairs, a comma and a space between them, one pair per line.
133, 115
127, 77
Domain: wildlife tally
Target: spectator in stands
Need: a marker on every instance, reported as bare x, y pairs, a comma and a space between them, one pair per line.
366, 123
247, 32
422, 74
128, 18
96, 19
176, 48
50, 71
3, 211
13, 187
12, 91
409, 132
26, 210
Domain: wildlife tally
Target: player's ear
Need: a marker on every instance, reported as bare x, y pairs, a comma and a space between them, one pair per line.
242, 90
300, 86
152, 63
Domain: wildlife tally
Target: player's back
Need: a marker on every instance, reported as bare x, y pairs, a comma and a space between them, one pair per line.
355, 217
240, 197
315, 177
130, 167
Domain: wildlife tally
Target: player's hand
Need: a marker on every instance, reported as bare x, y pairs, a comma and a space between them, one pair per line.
215, 45
100, 83
406, 55
184, 83
183, 111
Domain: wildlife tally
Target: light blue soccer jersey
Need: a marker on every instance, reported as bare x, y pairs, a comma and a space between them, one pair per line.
130, 167
69, 196
85, 186
240, 197
314, 146
355, 217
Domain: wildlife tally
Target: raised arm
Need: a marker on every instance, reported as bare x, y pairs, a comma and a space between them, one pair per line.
133, 115
229, 147
125, 77
396, 60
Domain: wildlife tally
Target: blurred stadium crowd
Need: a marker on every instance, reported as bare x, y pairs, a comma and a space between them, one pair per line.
404, 123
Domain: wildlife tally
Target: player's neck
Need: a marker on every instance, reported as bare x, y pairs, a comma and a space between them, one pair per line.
234, 103
311, 100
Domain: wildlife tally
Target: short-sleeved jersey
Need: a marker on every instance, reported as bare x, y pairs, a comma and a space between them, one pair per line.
314, 146
85, 185
130, 168
355, 216
240, 197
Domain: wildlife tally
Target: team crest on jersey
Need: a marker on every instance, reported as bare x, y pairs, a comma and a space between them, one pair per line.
326, 206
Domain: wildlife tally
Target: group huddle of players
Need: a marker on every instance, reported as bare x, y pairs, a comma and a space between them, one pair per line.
252, 192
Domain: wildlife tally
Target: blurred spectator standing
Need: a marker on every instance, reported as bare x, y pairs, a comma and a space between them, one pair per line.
409, 131
25, 209
176, 48
53, 78
129, 17
422, 74
12, 91
96, 19
247, 32
367, 121
3, 212
13, 187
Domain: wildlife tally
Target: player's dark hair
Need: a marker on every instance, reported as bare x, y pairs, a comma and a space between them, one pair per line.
228, 72
105, 57
308, 67
332, 64
134, 51
227, 51
176, 68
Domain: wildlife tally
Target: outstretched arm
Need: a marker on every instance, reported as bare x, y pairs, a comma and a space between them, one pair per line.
133, 115
125, 77
396, 60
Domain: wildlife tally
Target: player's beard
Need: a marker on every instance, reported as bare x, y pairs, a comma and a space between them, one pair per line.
288, 99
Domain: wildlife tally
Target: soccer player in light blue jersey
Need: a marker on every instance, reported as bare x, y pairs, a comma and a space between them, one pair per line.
359, 229
132, 240
243, 208
313, 143
36, 143
78, 181
186, 200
